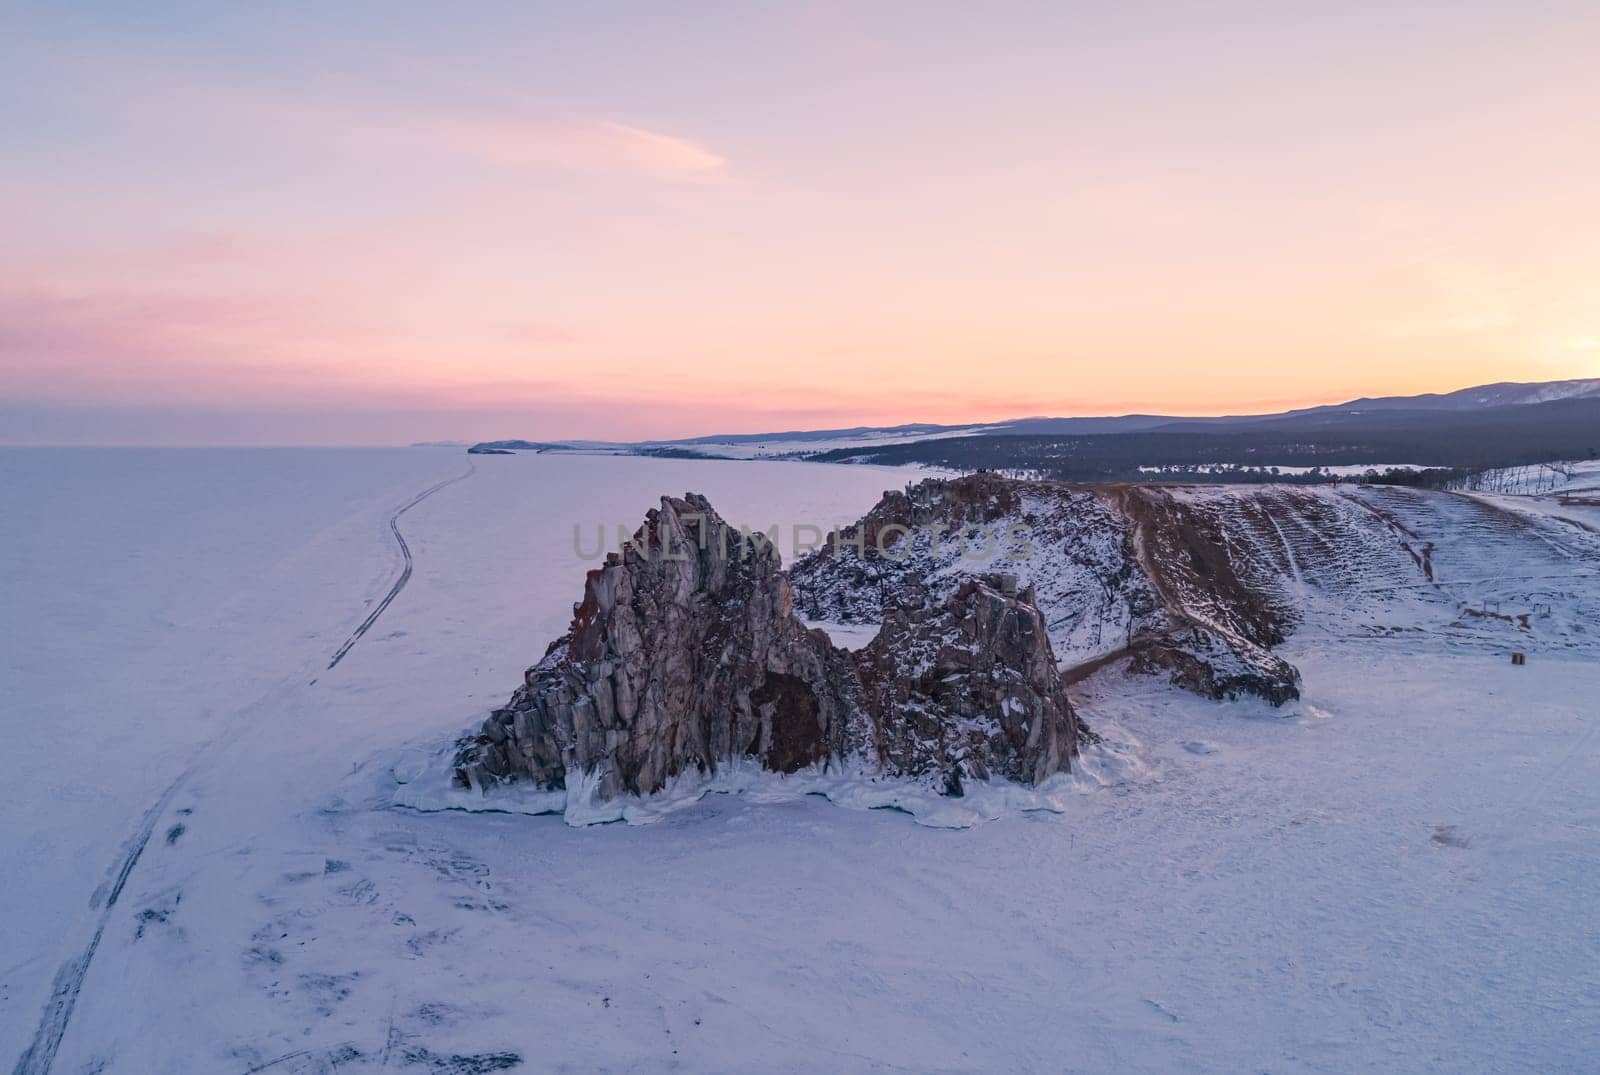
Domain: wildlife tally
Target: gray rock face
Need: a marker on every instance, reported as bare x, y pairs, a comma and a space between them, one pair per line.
685, 654
968, 688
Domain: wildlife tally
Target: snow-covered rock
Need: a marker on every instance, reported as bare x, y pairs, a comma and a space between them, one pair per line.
968, 689
685, 655
1117, 570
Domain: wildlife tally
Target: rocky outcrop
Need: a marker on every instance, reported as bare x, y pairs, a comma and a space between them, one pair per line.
968, 687
1198, 660
1069, 543
1222, 619
685, 654
1120, 571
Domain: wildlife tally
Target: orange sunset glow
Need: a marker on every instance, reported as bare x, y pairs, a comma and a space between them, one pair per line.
574, 223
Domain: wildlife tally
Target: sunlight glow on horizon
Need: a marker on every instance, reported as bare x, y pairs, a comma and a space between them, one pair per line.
626, 225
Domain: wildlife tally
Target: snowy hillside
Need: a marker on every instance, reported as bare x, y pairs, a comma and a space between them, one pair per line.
1573, 478
1500, 394
795, 446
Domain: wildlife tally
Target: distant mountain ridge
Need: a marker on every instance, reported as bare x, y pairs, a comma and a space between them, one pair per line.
1446, 442
1499, 394
1368, 414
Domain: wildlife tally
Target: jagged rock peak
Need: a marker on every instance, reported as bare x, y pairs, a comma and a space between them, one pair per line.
684, 653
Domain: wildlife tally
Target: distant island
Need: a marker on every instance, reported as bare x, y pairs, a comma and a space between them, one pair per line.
1431, 439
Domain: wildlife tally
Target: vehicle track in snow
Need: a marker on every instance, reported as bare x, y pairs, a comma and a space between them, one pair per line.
40, 1055
405, 551
41, 1052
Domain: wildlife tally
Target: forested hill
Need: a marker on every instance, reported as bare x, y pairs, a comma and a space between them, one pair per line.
1457, 440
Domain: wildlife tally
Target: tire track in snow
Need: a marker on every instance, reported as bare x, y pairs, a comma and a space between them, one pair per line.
405, 551
41, 1052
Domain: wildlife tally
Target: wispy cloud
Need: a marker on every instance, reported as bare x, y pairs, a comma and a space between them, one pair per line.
574, 143
497, 130
505, 137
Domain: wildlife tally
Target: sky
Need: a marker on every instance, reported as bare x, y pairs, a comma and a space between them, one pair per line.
384, 223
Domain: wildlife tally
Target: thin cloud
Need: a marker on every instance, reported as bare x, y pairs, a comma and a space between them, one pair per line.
585, 144
498, 137
502, 137
499, 134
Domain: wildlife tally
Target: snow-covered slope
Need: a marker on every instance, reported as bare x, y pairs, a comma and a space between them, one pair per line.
1574, 478
1069, 545
1449, 573
796, 445
1478, 397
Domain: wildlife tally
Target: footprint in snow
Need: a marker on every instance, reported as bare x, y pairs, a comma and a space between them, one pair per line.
1159, 1010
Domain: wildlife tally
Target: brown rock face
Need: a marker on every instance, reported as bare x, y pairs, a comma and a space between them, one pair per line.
1222, 625
968, 688
685, 653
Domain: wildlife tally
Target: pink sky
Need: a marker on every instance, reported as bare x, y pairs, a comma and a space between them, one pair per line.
372, 228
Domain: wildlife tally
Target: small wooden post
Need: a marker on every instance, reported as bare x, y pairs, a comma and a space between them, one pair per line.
1519, 658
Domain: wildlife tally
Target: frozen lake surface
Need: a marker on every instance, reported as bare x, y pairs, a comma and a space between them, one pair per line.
1398, 873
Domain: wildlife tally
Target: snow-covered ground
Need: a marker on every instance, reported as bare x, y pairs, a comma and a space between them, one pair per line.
1396, 874
777, 447
1343, 470
1576, 477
